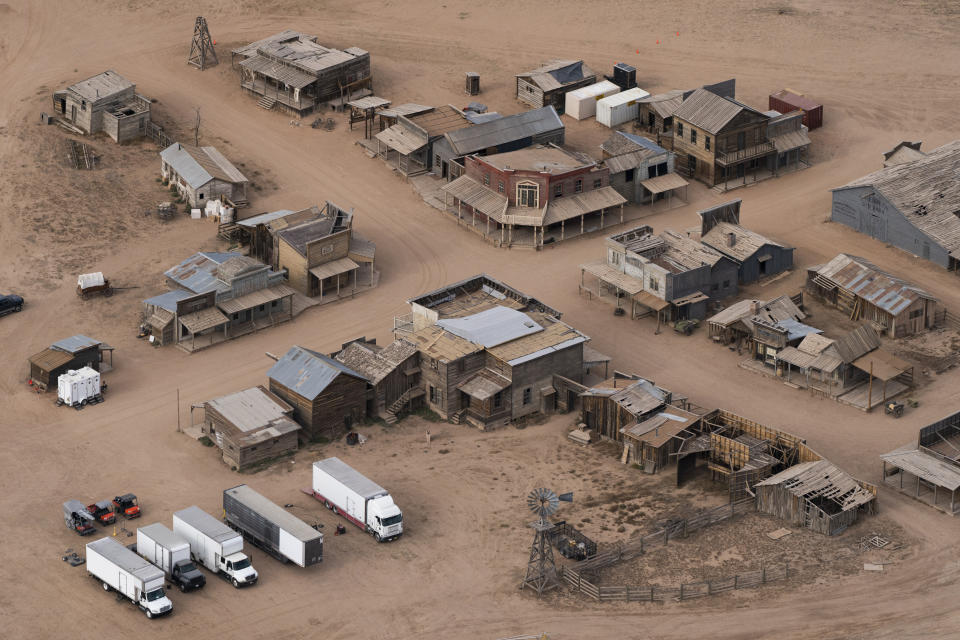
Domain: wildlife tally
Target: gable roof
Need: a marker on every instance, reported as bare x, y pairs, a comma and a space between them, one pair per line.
199, 165
857, 343
664, 104
298, 236
746, 242
255, 409
75, 344
558, 73
864, 279
307, 372
375, 363
198, 273
710, 112
926, 191
506, 129
101, 86
439, 121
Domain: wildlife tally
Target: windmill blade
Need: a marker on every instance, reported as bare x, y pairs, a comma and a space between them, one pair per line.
565, 497
542, 502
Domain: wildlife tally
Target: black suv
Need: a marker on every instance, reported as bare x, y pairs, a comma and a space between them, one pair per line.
10, 304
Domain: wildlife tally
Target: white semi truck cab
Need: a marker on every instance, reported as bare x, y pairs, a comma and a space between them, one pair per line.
384, 518
363, 502
236, 567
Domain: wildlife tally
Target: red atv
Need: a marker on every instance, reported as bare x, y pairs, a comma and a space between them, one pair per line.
102, 511
127, 505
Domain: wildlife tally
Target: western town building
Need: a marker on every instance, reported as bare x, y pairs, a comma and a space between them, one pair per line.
217, 296
393, 373
250, 426
669, 274
656, 112
640, 170
862, 291
928, 468
409, 143
292, 70
548, 84
490, 354
327, 397
734, 324
531, 191
756, 256
74, 352
912, 205
201, 174
107, 102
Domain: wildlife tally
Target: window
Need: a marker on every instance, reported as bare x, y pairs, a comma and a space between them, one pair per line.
557, 190
498, 400
916, 313
693, 136
653, 284
143, 125
528, 195
726, 284
461, 365
436, 160
486, 179
236, 316
628, 176
679, 129
83, 105
706, 142
274, 303
201, 196
598, 183
614, 258
433, 395
578, 186
526, 395
499, 186
262, 307
434, 364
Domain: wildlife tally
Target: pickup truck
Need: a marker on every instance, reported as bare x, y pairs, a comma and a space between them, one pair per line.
10, 304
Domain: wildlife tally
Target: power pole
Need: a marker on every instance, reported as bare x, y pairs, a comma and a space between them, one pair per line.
202, 54
196, 129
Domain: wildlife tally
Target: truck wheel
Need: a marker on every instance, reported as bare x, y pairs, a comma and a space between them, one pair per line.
336, 511
327, 504
106, 587
183, 588
376, 536
236, 585
18, 308
149, 613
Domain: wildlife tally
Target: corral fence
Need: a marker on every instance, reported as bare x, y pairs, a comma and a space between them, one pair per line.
688, 591
944, 318
157, 133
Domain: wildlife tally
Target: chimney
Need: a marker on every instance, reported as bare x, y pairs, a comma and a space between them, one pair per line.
731, 239
754, 305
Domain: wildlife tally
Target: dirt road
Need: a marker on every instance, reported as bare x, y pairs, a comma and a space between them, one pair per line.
455, 574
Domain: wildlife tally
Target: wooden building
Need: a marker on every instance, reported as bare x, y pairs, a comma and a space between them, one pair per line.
250, 427
409, 142
733, 324
64, 355
328, 397
912, 205
620, 403
107, 102
393, 373
640, 171
654, 442
756, 256
656, 112
862, 291
548, 84
201, 174
928, 469
489, 353
290, 70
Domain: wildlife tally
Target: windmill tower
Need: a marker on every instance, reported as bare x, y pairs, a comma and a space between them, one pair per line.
541, 569
202, 54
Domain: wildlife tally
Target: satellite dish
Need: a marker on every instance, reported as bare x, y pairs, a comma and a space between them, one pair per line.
543, 502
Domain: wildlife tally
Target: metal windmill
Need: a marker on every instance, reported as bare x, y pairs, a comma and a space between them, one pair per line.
541, 569
202, 54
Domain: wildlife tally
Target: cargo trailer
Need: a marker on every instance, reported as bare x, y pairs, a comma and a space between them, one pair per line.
215, 545
171, 554
270, 527
786, 101
360, 500
620, 107
582, 103
121, 570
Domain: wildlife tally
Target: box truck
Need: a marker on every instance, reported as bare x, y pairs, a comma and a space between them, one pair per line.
121, 570
214, 545
360, 500
270, 527
171, 554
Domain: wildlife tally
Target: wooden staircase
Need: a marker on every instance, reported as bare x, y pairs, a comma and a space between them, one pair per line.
266, 102
390, 415
457, 418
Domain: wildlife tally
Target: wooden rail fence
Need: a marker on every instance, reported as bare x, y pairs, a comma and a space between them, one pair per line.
944, 318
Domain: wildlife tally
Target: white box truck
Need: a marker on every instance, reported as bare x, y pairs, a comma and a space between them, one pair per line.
582, 103
214, 545
171, 554
270, 527
79, 387
360, 500
121, 570
621, 107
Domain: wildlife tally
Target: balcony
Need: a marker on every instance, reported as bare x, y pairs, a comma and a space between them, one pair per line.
749, 153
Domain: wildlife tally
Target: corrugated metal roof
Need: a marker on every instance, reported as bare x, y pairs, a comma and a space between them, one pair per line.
274, 513
203, 319
640, 397
555, 336
665, 104
75, 344
666, 182
484, 200
555, 74
864, 279
858, 342
790, 140
439, 121
484, 385
333, 268
102, 85
256, 298
198, 273
579, 204
199, 165
620, 280
340, 470
50, 359
373, 363
778, 309
710, 112
402, 139
264, 218
307, 372
796, 329
746, 242
507, 129
250, 409
492, 327
922, 464
821, 480
168, 300
283, 73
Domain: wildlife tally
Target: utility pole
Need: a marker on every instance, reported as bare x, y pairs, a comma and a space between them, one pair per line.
196, 129
178, 409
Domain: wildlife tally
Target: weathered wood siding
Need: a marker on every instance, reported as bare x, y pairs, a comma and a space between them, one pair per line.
444, 377
343, 402
227, 437
781, 259
535, 375
529, 93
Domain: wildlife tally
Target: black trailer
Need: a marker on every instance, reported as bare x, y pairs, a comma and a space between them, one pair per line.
271, 528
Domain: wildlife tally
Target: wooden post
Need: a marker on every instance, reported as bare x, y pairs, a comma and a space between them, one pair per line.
581, 224
561, 230
621, 213
870, 389
601, 218
178, 410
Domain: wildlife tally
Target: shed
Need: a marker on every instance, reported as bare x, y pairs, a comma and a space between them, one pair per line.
201, 174
653, 441
548, 84
620, 107
786, 100
250, 426
582, 103
327, 396
74, 352
392, 371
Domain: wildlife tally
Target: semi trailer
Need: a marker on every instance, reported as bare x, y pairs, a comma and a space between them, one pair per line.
360, 500
215, 546
171, 554
270, 527
120, 569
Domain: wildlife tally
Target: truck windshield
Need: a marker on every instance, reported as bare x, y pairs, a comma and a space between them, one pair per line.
187, 567
241, 564
156, 594
397, 519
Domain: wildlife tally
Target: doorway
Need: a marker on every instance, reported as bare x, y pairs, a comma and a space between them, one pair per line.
691, 164
73, 113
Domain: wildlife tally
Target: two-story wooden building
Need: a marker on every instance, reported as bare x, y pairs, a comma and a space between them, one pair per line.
756, 256
106, 102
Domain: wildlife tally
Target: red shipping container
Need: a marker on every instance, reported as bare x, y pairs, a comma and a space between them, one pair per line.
786, 101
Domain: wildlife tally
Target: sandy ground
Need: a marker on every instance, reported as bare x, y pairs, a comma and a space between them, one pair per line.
456, 571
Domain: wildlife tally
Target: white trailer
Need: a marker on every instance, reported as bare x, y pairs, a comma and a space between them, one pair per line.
620, 108
582, 103
79, 387
214, 545
363, 502
171, 554
121, 570
270, 527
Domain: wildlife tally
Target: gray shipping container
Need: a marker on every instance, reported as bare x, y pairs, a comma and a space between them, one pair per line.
270, 527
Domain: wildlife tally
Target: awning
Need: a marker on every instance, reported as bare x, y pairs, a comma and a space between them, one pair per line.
255, 299
50, 359
204, 319
925, 466
790, 141
606, 273
334, 268
664, 183
882, 364
368, 102
764, 257
591, 356
402, 140
160, 318
693, 298
579, 204
470, 192
280, 72
484, 385
647, 299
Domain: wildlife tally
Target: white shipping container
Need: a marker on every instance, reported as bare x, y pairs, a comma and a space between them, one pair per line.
620, 108
582, 103
78, 386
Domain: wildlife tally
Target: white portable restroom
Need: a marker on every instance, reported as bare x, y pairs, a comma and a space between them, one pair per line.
582, 103
78, 386
620, 108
